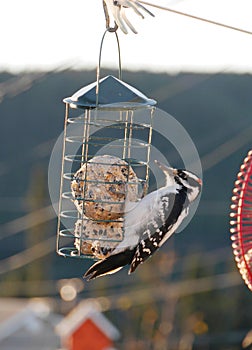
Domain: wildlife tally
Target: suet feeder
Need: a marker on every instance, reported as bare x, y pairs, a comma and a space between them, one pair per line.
105, 164
241, 222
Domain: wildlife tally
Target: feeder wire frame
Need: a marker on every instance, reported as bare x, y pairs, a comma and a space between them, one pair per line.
90, 117
241, 220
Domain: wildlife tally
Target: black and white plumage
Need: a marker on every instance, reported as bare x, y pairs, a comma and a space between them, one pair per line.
151, 221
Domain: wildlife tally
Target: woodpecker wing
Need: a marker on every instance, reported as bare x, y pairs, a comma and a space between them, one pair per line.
110, 265
137, 219
175, 210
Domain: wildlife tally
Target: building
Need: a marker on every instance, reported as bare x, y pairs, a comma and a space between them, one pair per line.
86, 328
27, 324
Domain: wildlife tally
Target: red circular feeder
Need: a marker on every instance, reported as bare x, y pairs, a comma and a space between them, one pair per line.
241, 223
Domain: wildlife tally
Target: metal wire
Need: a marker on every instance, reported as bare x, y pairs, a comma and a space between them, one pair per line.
98, 71
196, 17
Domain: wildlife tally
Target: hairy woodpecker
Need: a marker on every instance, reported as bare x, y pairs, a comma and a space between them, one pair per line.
151, 221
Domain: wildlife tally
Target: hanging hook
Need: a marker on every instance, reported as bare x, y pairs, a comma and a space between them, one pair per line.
99, 63
110, 30
107, 19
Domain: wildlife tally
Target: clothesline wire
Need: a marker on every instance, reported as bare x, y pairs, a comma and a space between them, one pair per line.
196, 17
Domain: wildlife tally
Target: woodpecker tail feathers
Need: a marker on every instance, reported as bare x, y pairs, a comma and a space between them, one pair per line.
110, 265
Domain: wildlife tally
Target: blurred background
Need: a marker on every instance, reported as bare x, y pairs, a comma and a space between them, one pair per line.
190, 295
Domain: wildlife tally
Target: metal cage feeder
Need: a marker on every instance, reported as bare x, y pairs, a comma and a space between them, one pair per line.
105, 163
241, 222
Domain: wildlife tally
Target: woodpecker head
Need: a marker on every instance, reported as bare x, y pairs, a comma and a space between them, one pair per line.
191, 182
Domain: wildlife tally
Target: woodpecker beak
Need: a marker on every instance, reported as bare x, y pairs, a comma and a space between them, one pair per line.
166, 169
199, 181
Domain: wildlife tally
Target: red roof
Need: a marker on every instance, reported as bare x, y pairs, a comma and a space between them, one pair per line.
85, 311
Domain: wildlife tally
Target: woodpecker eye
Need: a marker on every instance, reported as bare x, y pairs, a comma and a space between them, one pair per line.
183, 175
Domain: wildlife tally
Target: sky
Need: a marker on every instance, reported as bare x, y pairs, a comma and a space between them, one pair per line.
58, 33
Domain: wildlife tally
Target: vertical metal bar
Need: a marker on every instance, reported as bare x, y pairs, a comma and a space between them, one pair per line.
62, 178
86, 135
84, 158
147, 177
130, 132
125, 134
84, 142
